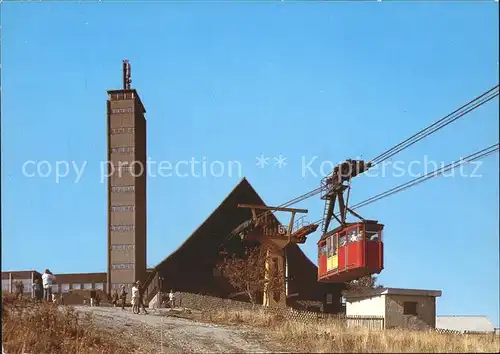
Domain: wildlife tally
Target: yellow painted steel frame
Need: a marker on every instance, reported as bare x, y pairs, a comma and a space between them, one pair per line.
268, 299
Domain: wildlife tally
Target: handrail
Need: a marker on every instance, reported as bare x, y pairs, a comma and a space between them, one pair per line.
151, 286
300, 223
150, 278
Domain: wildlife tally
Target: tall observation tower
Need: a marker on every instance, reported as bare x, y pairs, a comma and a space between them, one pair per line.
126, 151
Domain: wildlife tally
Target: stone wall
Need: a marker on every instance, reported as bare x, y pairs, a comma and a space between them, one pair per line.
424, 319
209, 303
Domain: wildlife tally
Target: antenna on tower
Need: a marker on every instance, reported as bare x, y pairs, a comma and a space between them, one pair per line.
126, 75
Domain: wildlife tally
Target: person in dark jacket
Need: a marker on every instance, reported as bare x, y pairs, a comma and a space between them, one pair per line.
114, 298
37, 289
19, 289
141, 298
123, 296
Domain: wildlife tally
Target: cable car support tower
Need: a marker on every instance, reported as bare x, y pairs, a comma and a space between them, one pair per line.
333, 188
265, 229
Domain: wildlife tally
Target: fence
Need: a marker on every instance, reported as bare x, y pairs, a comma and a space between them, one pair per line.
451, 331
213, 304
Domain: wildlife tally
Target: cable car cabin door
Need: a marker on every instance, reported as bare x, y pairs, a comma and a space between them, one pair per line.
332, 246
322, 258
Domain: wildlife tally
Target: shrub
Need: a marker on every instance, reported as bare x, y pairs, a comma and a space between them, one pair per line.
30, 327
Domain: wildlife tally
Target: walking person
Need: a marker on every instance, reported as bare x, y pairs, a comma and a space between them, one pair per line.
47, 280
135, 298
141, 299
114, 298
123, 296
37, 290
19, 289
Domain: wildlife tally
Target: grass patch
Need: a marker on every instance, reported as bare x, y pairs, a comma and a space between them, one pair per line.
29, 327
329, 336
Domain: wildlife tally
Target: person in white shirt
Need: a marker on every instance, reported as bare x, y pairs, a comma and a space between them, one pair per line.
171, 297
47, 280
135, 298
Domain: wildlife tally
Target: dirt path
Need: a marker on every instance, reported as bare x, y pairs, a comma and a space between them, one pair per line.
166, 334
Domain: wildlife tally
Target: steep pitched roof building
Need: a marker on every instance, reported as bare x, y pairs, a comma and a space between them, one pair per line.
192, 267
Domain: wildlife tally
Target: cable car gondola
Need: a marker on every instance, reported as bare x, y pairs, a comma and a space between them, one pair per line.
350, 252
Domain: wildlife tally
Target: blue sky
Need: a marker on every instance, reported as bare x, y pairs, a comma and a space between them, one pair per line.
232, 81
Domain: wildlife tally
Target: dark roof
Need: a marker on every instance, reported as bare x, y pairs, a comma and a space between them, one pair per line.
352, 295
80, 278
60, 278
211, 234
21, 274
225, 218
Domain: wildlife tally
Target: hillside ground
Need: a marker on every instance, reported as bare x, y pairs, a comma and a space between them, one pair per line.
45, 328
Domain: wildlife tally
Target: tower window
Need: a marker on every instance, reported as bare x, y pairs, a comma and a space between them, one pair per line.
126, 168
123, 266
122, 247
121, 110
122, 227
123, 149
117, 130
123, 189
123, 208
122, 130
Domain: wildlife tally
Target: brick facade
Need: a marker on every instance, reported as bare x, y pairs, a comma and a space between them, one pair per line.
126, 184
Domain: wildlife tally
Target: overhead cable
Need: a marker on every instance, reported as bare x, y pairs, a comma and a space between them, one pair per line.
472, 157
448, 119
